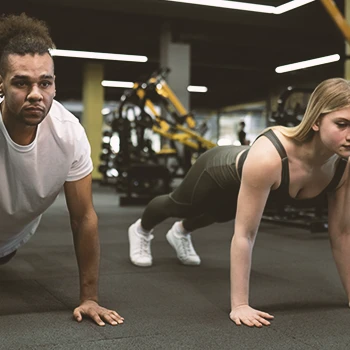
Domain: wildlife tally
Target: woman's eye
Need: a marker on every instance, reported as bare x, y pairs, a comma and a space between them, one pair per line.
342, 125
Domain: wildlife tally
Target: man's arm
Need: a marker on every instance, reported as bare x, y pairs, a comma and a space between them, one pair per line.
84, 225
339, 228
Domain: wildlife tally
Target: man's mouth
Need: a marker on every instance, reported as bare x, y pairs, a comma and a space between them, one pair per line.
34, 109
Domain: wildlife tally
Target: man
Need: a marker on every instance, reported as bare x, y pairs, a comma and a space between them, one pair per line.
42, 149
242, 134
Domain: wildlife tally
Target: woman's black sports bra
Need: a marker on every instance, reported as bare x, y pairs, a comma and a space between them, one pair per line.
281, 194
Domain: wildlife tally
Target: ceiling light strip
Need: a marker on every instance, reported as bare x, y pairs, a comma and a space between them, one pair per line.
236, 5
98, 55
233, 5
194, 88
291, 5
307, 64
130, 85
117, 84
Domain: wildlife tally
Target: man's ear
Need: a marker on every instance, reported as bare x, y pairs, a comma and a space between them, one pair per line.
1, 87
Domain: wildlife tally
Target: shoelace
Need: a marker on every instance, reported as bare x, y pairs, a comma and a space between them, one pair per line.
145, 245
187, 246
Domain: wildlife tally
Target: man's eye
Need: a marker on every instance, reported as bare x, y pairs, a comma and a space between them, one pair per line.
20, 84
342, 125
46, 84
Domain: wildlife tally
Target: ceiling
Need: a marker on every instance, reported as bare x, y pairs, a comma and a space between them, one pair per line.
233, 53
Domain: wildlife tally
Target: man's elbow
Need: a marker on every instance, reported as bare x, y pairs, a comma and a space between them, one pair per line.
87, 219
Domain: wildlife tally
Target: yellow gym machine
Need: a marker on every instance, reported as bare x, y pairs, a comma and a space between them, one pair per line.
170, 129
135, 167
338, 18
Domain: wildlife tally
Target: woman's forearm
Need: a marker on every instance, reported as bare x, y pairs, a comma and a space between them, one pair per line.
241, 253
341, 254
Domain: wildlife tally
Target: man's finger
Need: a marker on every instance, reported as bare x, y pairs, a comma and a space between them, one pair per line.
109, 318
77, 315
97, 318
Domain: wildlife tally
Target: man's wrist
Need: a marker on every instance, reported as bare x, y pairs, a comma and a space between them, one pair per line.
84, 299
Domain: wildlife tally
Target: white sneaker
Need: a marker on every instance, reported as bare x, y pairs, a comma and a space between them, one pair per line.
183, 247
139, 246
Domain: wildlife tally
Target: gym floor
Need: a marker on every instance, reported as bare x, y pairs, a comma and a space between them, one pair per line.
170, 306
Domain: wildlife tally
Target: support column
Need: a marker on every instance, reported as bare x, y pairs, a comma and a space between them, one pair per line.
347, 45
93, 99
177, 57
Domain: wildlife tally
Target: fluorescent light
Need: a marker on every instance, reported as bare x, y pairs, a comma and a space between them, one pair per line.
193, 88
105, 111
224, 142
98, 55
236, 5
307, 64
233, 5
291, 5
129, 85
118, 84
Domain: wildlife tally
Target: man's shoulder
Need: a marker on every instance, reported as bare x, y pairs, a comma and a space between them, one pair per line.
59, 114
63, 123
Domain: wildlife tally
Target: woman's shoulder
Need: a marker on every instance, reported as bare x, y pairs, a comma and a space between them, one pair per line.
265, 149
263, 161
343, 165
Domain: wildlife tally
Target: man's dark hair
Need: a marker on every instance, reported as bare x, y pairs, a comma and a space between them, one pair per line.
21, 35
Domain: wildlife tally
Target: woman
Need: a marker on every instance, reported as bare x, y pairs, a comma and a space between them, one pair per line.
298, 166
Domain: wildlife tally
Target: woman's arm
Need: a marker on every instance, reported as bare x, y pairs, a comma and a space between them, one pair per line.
261, 172
339, 228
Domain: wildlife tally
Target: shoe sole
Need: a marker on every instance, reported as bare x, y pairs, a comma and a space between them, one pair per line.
182, 262
134, 262
141, 264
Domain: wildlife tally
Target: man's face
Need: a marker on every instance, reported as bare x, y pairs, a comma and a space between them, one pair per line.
334, 131
28, 87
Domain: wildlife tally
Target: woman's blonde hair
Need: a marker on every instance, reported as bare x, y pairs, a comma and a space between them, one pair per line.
329, 96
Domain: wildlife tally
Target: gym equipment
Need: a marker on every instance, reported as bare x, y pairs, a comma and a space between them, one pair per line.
291, 107
338, 18
129, 160
312, 219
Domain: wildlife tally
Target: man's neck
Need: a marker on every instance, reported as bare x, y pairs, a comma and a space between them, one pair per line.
21, 134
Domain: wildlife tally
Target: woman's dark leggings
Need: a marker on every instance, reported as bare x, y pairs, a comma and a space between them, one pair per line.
199, 200
5, 259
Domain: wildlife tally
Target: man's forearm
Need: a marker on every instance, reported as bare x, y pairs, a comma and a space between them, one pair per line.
87, 250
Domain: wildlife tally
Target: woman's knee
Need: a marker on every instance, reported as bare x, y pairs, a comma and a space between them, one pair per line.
5, 259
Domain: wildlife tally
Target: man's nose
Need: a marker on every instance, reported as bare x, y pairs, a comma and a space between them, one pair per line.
35, 93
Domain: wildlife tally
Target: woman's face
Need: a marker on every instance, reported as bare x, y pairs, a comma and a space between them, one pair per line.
334, 131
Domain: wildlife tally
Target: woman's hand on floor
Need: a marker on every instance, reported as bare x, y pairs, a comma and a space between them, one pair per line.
249, 316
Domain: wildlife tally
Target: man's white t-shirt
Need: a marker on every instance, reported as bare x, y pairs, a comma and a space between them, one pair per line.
32, 176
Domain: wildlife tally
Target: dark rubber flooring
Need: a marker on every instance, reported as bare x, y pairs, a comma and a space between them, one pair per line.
170, 306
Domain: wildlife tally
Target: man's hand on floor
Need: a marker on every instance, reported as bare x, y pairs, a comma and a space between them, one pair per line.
99, 314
